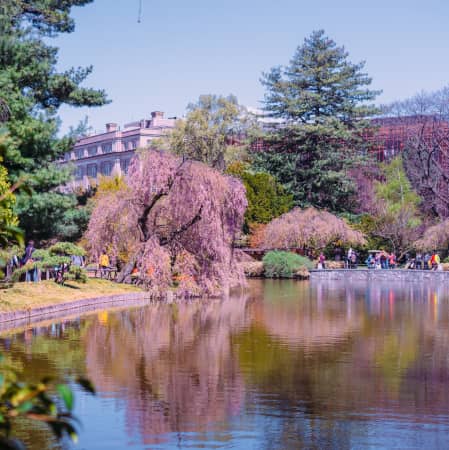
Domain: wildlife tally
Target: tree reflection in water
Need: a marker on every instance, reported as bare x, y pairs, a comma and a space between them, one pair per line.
289, 364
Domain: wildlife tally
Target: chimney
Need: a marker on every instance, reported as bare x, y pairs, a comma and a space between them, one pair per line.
158, 114
111, 127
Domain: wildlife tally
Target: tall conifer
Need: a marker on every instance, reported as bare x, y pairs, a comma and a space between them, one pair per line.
321, 99
33, 90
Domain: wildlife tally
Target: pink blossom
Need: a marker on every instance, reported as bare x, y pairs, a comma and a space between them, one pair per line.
175, 223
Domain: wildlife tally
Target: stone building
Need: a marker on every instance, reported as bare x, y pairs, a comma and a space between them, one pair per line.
110, 153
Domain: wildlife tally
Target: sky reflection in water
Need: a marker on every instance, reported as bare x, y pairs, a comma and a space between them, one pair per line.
285, 365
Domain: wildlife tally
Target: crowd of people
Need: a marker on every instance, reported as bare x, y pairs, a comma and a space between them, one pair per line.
381, 260
426, 261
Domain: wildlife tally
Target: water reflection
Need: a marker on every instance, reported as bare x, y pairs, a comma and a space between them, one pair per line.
285, 365
174, 365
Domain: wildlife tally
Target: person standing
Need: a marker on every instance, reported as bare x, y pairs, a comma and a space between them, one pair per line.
426, 261
435, 261
370, 262
103, 263
377, 261
383, 258
31, 273
321, 260
418, 261
77, 260
392, 260
354, 260
349, 258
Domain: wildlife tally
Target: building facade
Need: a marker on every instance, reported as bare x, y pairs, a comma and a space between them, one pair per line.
393, 134
110, 153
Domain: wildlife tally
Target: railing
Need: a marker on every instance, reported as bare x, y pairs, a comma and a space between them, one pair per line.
107, 274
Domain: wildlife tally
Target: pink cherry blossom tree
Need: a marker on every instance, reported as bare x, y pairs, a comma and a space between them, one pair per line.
435, 237
174, 223
309, 228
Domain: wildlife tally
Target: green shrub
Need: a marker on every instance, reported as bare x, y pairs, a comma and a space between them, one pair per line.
57, 255
76, 273
284, 264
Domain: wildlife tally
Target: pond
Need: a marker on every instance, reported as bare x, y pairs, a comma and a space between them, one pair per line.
322, 364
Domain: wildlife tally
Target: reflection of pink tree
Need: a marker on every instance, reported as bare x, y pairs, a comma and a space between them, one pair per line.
174, 364
176, 219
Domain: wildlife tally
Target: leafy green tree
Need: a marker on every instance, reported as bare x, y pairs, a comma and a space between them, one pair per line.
213, 132
33, 91
8, 219
320, 99
267, 198
397, 217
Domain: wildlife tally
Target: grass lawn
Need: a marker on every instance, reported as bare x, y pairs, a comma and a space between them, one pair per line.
28, 295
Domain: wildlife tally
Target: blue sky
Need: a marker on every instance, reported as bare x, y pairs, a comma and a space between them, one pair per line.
182, 49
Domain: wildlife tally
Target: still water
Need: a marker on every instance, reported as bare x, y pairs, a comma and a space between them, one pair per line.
284, 365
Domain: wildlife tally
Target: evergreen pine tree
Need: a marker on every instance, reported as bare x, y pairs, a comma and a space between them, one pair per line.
321, 101
33, 91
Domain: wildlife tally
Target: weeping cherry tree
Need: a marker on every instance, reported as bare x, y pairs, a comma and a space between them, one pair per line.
174, 223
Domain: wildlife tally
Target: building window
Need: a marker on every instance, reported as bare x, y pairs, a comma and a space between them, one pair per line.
79, 153
106, 148
106, 168
134, 144
92, 151
92, 170
79, 172
124, 165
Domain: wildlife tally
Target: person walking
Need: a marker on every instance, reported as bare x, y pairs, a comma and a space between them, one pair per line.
103, 263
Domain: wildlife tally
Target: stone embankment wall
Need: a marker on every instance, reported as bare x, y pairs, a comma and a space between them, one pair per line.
381, 275
78, 306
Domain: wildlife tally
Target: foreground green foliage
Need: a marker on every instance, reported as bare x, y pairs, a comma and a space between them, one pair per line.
47, 401
33, 91
284, 264
321, 99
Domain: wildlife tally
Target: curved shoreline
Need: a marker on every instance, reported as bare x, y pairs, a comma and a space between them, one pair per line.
26, 317
13, 319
